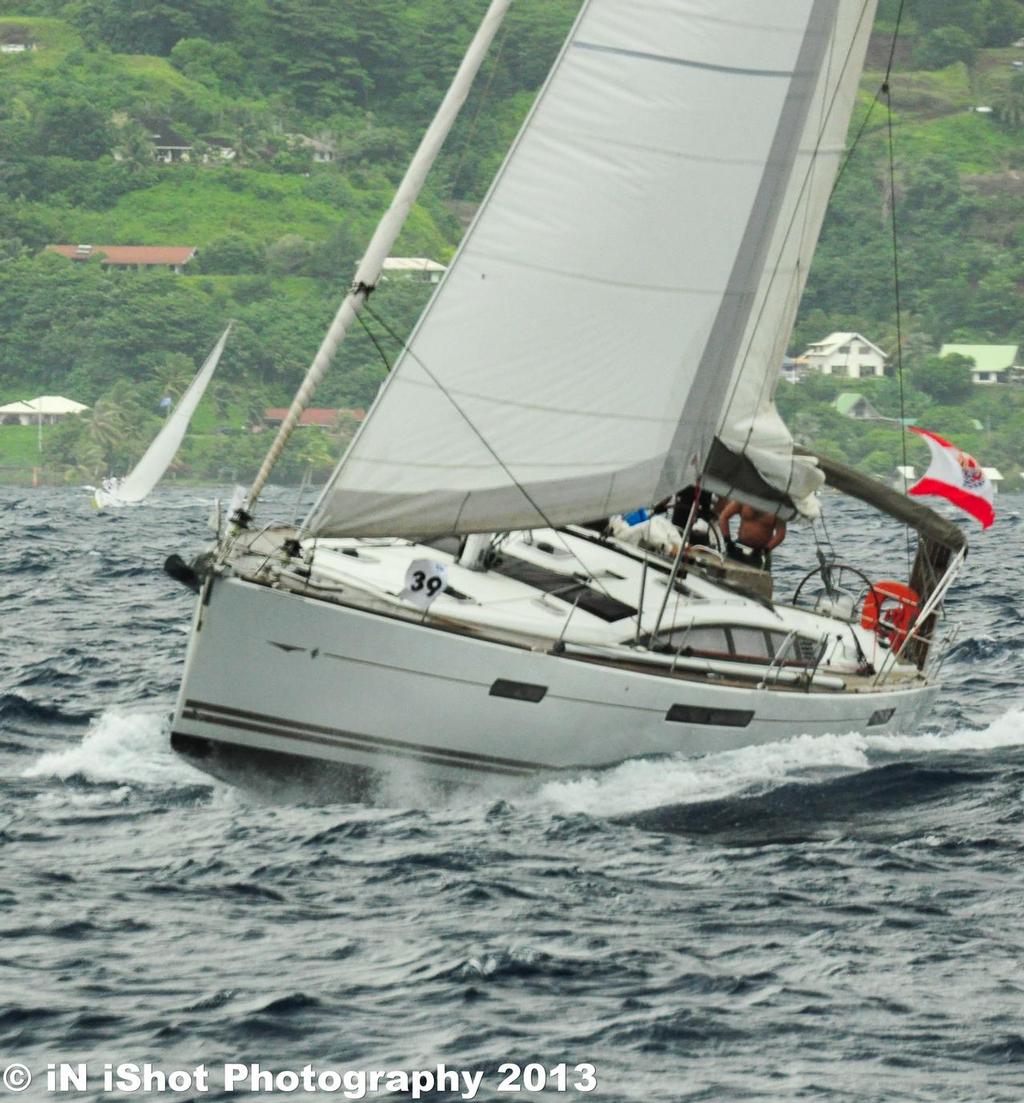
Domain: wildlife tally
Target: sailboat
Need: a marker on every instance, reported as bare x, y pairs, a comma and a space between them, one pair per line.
608, 332
143, 477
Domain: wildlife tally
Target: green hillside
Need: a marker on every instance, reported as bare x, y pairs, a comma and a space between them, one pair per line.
250, 85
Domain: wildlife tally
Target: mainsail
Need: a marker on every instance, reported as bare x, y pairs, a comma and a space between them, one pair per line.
157, 458
751, 426
632, 270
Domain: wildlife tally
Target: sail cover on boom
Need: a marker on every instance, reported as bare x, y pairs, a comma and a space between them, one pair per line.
620, 282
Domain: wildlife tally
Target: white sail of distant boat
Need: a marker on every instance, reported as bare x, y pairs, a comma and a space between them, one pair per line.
608, 333
144, 476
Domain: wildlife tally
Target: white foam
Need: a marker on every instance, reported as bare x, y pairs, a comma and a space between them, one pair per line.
120, 747
1005, 731
643, 784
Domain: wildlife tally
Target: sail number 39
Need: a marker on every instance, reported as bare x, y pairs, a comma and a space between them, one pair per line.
537, 1078
424, 580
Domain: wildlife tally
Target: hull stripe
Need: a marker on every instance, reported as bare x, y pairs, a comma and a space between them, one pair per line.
335, 737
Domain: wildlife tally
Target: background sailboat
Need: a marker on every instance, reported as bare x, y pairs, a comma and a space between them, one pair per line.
137, 484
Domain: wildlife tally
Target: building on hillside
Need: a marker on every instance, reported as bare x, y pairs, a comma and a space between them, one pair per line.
903, 477
857, 406
168, 145
418, 268
16, 40
44, 410
994, 476
322, 151
221, 149
314, 417
992, 363
847, 355
174, 257
17, 413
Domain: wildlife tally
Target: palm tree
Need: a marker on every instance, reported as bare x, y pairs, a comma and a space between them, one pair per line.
1008, 104
173, 373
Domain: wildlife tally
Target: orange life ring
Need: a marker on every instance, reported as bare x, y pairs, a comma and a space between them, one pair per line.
890, 621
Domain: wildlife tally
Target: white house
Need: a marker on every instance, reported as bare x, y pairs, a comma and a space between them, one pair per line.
17, 413
903, 477
421, 268
322, 151
44, 410
848, 355
992, 363
168, 145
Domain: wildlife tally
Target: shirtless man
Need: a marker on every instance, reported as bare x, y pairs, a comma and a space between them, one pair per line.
759, 531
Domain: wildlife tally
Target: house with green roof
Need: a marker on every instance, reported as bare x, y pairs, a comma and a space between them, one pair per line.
851, 404
992, 363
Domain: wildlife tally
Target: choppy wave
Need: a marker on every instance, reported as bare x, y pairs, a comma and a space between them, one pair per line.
120, 747
638, 785
822, 917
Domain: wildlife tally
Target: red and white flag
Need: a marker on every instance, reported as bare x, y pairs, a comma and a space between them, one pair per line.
955, 475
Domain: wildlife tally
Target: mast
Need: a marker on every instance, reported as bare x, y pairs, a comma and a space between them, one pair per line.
384, 237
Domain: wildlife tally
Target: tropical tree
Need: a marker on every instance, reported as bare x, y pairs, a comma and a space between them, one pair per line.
947, 379
1008, 103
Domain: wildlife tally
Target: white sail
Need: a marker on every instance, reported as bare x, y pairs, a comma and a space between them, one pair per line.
577, 357
751, 425
157, 458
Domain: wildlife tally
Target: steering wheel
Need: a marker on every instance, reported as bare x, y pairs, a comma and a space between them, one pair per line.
698, 552
844, 580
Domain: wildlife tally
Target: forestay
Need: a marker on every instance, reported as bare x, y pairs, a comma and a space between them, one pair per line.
157, 458
577, 358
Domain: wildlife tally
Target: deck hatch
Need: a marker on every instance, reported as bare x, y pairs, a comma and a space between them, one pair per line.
696, 714
518, 691
566, 587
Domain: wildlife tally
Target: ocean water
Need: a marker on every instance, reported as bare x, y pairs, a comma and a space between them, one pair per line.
834, 918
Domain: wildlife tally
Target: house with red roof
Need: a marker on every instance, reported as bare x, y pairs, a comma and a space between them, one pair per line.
139, 257
315, 416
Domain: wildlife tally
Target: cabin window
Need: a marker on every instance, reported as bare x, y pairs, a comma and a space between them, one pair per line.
738, 643
794, 649
703, 639
750, 643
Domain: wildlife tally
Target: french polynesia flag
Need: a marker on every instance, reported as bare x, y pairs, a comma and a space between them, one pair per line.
954, 475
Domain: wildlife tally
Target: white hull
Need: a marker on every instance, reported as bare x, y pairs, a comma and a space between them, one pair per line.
103, 499
273, 671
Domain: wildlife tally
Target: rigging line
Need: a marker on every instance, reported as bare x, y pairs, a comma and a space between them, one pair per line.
855, 143
484, 96
408, 351
789, 229
896, 295
373, 337
882, 89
